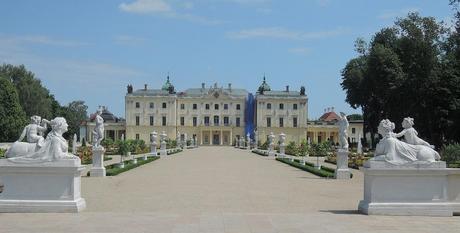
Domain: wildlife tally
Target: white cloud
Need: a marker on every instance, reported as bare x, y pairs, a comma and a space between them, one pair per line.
145, 6
129, 40
283, 33
40, 39
392, 14
300, 51
163, 9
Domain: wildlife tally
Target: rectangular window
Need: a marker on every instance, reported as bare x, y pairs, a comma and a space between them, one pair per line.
137, 136
353, 130
225, 106
238, 107
269, 106
269, 122
138, 105
195, 120
206, 120
281, 106
151, 120
294, 122
207, 106
195, 106
151, 105
182, 121
137, 120
281, 122
182, 106
294, 106
216, 106
164, 105
226, 121
216, 120
163, 121
237, 122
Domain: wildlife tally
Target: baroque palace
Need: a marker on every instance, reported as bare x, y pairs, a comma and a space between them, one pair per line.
217, 115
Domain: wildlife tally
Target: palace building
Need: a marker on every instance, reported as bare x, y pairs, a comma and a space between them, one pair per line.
217, 115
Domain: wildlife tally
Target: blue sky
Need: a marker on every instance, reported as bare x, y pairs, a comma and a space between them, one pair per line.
90, 50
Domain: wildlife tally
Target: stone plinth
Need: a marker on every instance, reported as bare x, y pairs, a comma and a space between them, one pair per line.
271, 150
153, 150
282, 150
422, 189
98, 169
163, 151
50, 187
342, 171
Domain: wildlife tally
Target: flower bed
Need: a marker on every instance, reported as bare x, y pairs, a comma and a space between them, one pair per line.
354, 160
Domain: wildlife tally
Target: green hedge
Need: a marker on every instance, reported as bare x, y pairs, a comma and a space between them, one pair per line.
309, 168
174, 151
86, 162
113, 170
259, 153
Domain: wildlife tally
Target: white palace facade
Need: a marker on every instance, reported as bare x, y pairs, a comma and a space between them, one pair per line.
216, 115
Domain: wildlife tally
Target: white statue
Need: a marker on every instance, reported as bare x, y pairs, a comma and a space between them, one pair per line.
153, 137
360, 145
54, 147
98, 132
282, 138
271, 138
32, 132
343, 131
397, 152
410, 134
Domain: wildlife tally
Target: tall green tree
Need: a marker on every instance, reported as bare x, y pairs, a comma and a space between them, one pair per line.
75, 112
402, 73
34, 98
12, 117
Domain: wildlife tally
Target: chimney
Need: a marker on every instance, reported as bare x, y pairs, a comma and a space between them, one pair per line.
145, 87
287, 88
332, 108
130, 88
230, 87
202, 86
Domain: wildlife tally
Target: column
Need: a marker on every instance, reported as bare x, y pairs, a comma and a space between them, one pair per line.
231, 137
201, 137
221, 138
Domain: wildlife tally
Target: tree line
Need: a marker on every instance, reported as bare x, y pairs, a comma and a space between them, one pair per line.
409, 69
22, 95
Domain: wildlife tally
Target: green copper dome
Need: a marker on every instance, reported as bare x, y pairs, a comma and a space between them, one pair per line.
168, 86
264, 87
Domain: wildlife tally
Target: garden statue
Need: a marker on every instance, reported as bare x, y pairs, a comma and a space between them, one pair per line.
98, 132
256, 140
360, 145
153, 140
74, 144
248, 140
282, 139
271, 141
54, 147
163, 151
397, 152
410, 134
32, 132
178, 139
343, 131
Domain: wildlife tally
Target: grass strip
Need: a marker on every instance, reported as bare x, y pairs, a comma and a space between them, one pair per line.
86, 162
319, 172
113, 170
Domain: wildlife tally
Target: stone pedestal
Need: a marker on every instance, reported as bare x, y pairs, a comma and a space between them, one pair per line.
342, 171
282, 151
98, 169
50, 187
271, 150
423, 189
153, 150
163, 149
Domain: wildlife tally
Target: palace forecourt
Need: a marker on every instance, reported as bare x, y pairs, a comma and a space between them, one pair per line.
222, 189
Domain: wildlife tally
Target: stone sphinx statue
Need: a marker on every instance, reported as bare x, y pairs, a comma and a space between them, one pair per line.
54, 147
397, 152
33, 134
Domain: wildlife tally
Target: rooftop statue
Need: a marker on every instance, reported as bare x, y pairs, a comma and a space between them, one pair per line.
32, 132
54, 147
397, 152
98, 132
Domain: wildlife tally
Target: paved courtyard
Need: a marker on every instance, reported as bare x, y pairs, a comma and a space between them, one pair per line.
221, 189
